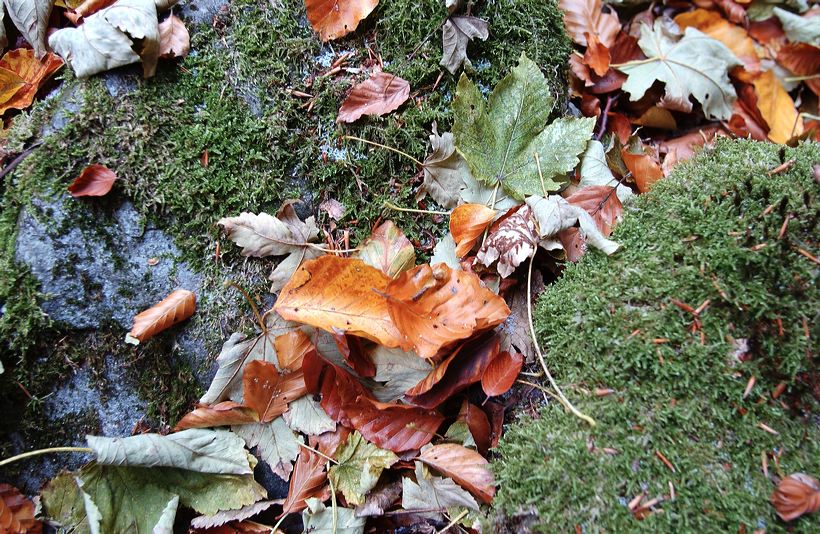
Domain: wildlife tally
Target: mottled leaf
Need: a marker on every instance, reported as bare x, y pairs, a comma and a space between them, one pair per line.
360, 464
276, 444
511, 240
378, 95
389, 250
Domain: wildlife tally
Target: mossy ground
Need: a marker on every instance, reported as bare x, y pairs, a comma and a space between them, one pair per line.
232, 98
611, 323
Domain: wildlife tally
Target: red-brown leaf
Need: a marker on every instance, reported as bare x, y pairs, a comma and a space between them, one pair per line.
268, 392
173, 309
95, 181
796, 495
378, 95
597, 55
644, 168
802, 59
336, 18
479, 425
354, 354
306, 481
467, 223
291, 348
587, 16
500, 375
602, 203
223, 414
496, 417
17, 512
467, 467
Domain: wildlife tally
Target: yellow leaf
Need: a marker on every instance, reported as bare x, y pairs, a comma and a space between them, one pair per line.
777, 107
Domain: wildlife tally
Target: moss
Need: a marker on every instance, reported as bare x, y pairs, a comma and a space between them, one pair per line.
692, 239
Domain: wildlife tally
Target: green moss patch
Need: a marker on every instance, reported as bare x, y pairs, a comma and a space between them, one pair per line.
612, 323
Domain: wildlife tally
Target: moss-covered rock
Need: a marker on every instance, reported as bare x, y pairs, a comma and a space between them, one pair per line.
712, 231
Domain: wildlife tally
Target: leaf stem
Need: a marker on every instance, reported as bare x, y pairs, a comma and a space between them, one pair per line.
231, 283
540, 175
39, 452
561, 398
331, 251
332, 501
325, 456
391, 206
452, 523
390, 148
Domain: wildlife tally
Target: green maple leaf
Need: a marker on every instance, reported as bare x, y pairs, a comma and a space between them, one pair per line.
500, 137
360, 465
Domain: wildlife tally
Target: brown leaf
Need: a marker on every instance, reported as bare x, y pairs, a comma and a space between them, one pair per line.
222, 414
173, 309
796, 495
332, 19
435, 306
354, 354
341, 294
291, 348
587, 16
467, 223
602, 203
597, 55
479, 425
328, 442
17, 512
378, 95
95, 181
467, 467
734, 12
268, 392
802, 59
777, 108
174, 40
389, 250
496, 417
644, 168
306, 481
379, 500
21, 75
512, 239
500, 375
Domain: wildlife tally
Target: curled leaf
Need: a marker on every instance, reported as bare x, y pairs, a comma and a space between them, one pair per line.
512, 239
222, 414
173, 309
17, 512
457, 33
796, 495
268, 392
467, 223
467, 467
583, 17
378, 95
95, 181
21, 75
174, 40
389, 250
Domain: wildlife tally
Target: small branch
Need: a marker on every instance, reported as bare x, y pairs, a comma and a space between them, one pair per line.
605, 116
325, 456
391, 206
16, 161
390, 148
455, 520
231, 283
331, 250
40, 452
333, 509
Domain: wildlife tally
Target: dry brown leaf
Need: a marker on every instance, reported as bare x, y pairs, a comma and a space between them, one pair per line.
306, 481
479, 425
354, 354
602, 203
173, 309
17, 512
657, 117
597, 55
777, 108
332, 19
95, 181
467, 467
378, 95
87, 8
796, 495
435, 306
802, 59
734, 12
500, 375
222, 414
341, 294
644, 168
389, 250
268, 392
467, 223
587, 16
174, 40
21, 75
291, 348
734, 37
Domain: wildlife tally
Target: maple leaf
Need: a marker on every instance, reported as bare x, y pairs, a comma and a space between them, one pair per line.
276, 444
174, 40
500, 138
511, 240
388, 249
799, 29
360, 464
268, 392
31, 18
777, 108
307, 481
734, 37
444, 170
17, 512
222, 414
317, 519
696, 65
21, 75
430, 492
501, 373
124, 33
378, 95
173, 309
94, 181
582, 17
796, 495
332, 19
457, 32
433, 306
467, 223
467, 467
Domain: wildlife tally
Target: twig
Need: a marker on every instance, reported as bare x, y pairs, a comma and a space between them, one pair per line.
390, 148
40, 452
455, 520
332, 501
390, 205
325, 456
540, 175
20, 157
605, 116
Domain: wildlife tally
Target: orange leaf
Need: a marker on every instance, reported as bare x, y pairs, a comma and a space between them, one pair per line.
306, 481
777, 108
389, 250
597, 54
796, 495
602, 203
734, 37
291, 348
434, 306
341, 294
223, 414
587, 16
174, 40
268, 392
17, 512
173, 309
335, 18
354, 354
467, 223
378, 95
21, 74
87, 8
802, 59
94, 181
467, 467
644, 168
500, 375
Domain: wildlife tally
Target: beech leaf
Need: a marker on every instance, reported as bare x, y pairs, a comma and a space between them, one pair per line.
31, 18
796, 495
21, 74
173, 309
501, 373
467, 223
16, 512
174, 40
332, 19
582, 17
457, 32
276, 444
777, 107
511, 240
467, 467
94, 181
378, 95
430, 492
222, 414
269, 392
360, 464
308, 480
389, 250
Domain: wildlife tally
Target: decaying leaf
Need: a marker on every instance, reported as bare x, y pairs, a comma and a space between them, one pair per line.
583, 17
444, 170
332, 19
796, 495
467, 223
554, 214
799, 29
696, 65
173, 309
17, 512
236, 354
95, 181
457, 33
124, 33
226, 516
430, 492
276, 444
602, 203
307, 416
389, 250
803, 60
359, 466
501, 373
379, 500
174, 40
378, 95
268, 392
433, 306
21, 75
318, 519
512, 239
595, 171
308, 480
222, 414
31, 18
734, 37
467, 467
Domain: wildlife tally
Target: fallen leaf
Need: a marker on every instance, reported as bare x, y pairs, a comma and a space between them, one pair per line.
601, 203
17, 512
378, 95
514, 331
119, 35
644, 168
332, 19
268, 392
358, 469
477, 422
276, 444
734, 11
696, 65
595, 171
334, 209
777, 108
389, 250
457, 33
308, 480
85, 8
222, 414
95, 181
467, 223
318, 519
796, 495
174, 40
467, 467
500, 138
501, 373
444, 170
21, 75
173, 309
31, 18
380, 500
582, 17
511, 240
291, 348
343, 294
353, 352
307, 416
226, 516
433, 493
554, 214
433, 306
803, 60
396, 372
597, 55
734, 37
799, 29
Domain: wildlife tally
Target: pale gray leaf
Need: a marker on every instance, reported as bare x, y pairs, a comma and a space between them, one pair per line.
799, 29
434, 493
595, 171
445, 252
378, 501
318, 519
165, 525
457, 32
31, 18
396, 371
220, 518
276, 444
307, 416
